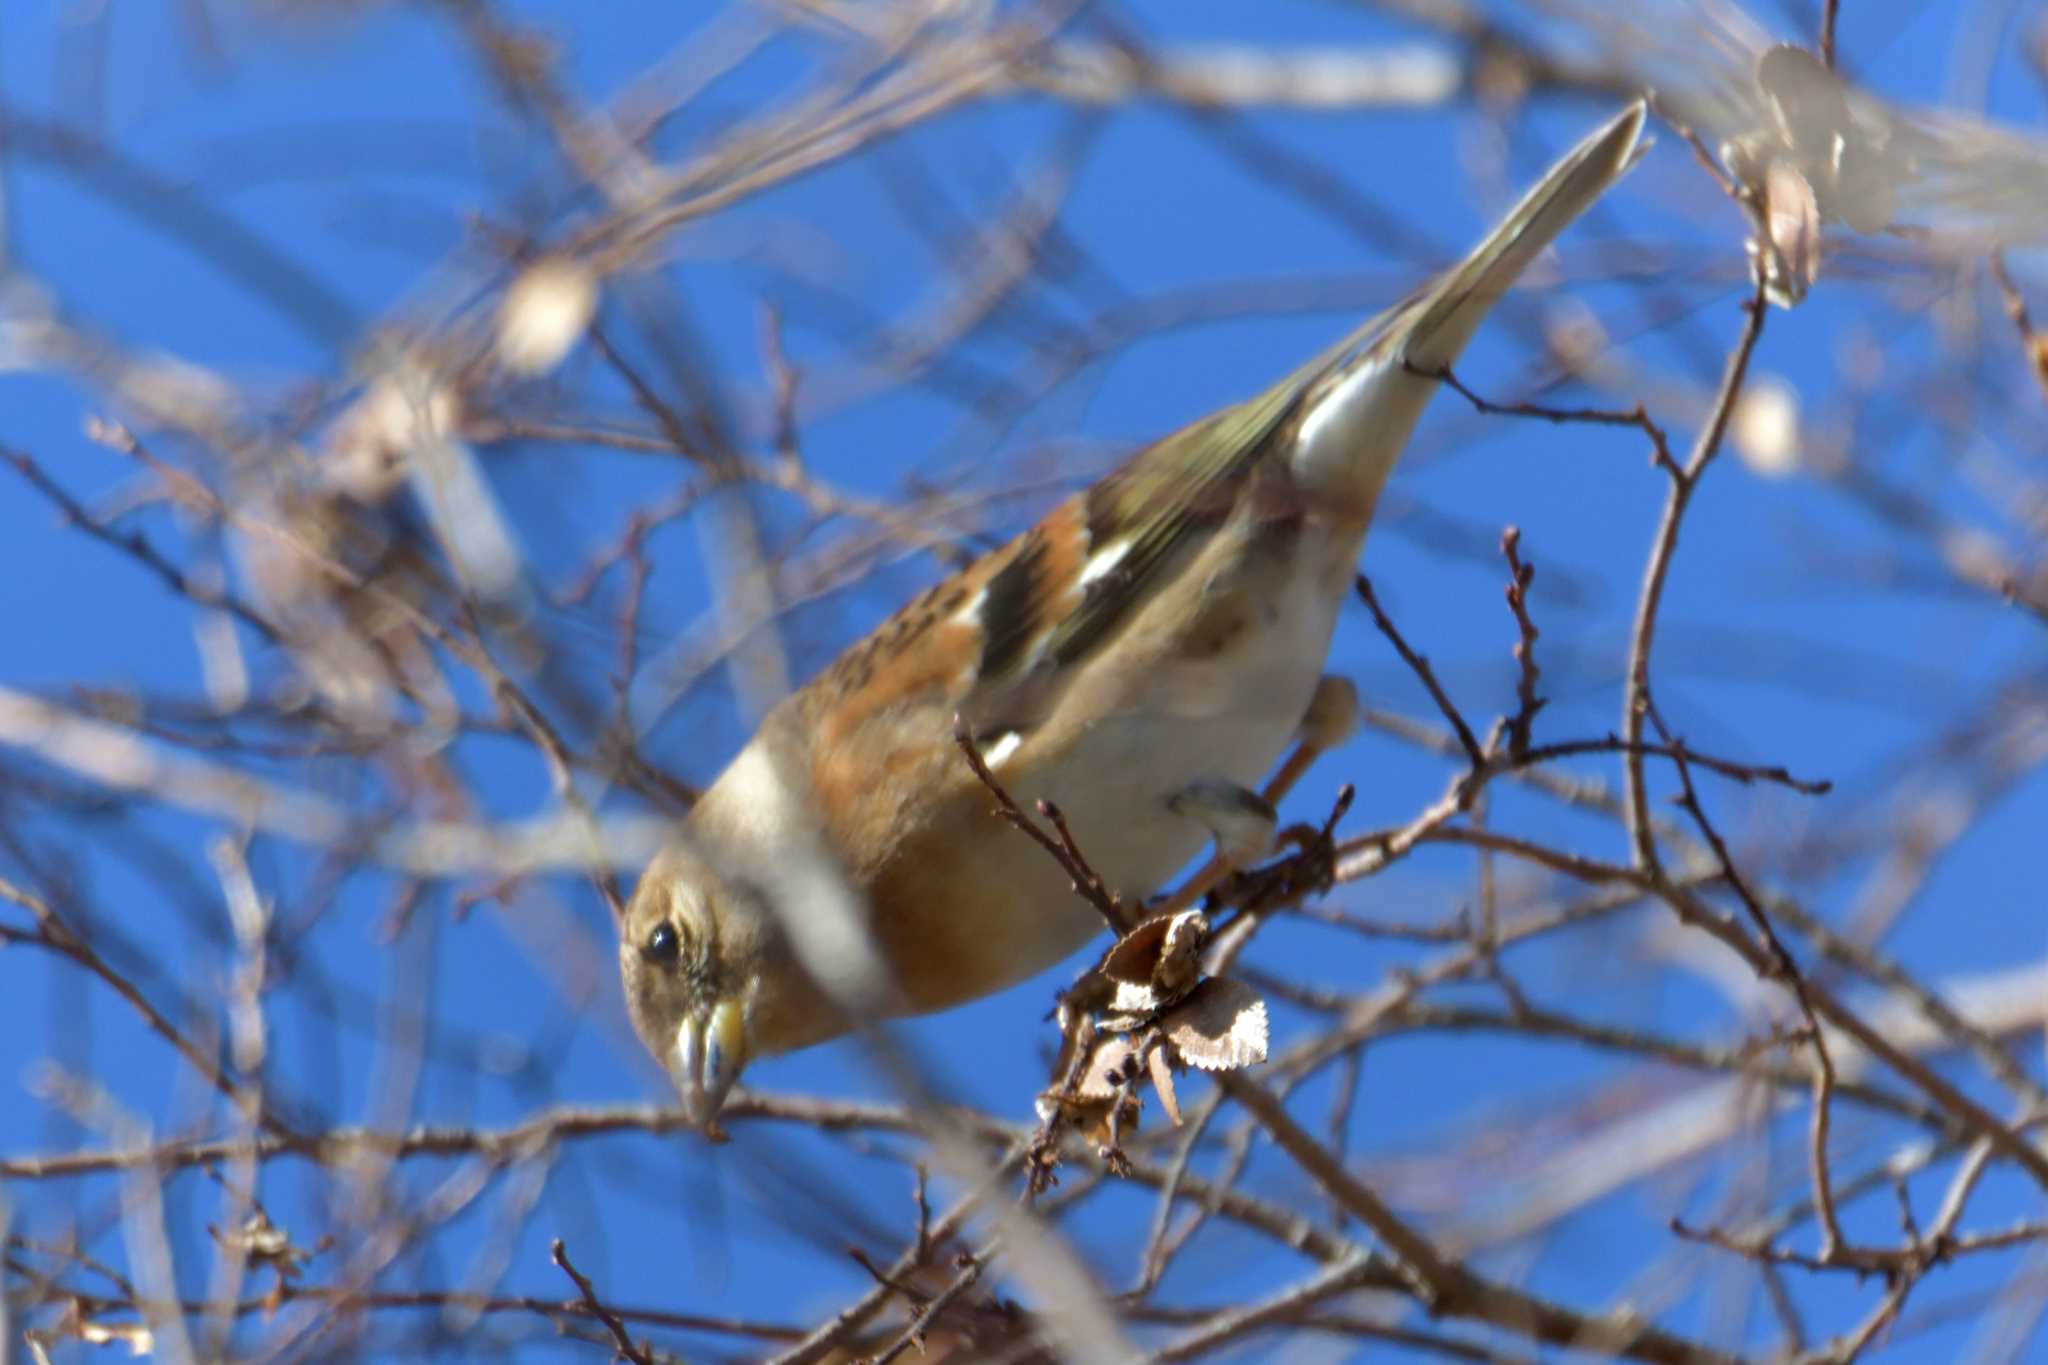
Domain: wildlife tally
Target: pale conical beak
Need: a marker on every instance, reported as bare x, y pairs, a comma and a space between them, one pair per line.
710, 1049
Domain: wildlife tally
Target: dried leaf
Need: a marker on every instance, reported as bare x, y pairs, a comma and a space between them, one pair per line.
1100, 1093
1808, 102
1221, 1026
1848, 153
1791, 256
1138, 956
1105, 1068
1162, 1081
1180, 957
1818, 156
1145, 971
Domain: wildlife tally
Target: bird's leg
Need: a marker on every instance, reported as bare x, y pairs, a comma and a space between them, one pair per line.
1232, 813
1331, 718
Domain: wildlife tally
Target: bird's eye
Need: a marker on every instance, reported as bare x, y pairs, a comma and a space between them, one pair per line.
662, 944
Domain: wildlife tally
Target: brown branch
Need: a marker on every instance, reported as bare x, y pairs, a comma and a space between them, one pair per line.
1745, 773
1527, 703
820, 1343
928, 1312
1448, 1289
1419, 665
559, 1254
2032, 343
1086, 883
1637, 417
53, 934
137, 547
563, 1123
1694, 912
1824, 1079
1284, 1307
335, 1298
1643, 635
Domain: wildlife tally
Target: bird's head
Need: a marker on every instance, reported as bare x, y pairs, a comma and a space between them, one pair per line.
691, 955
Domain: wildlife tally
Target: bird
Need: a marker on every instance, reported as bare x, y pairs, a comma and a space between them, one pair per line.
1139, 657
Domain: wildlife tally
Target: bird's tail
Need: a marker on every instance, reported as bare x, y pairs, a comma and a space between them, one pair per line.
1450, 310
1356, 412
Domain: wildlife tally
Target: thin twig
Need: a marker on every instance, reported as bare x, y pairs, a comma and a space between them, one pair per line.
1832, 1244
1087, 884
2032, 343
1643, 635
1527, 703
1419, 665
928, 1312
637, 1354
1637, 417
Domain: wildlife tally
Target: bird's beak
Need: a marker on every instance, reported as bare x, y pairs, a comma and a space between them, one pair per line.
710, 1049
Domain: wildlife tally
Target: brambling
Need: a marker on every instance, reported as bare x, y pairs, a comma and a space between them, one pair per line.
1153, 642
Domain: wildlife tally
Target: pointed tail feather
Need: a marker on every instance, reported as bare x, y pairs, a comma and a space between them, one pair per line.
1354, 406
1445, 318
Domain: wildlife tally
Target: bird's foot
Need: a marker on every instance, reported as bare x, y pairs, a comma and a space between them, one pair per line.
1240, 820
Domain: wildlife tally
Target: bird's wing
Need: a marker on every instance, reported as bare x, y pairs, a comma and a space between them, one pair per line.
1048, 600
997, 643
1140, 519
